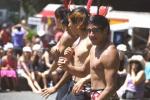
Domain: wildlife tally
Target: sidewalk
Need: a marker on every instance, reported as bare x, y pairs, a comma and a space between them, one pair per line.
24, 95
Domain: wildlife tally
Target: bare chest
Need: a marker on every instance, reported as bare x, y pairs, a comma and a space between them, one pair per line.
96, 61
81, 51
96, 64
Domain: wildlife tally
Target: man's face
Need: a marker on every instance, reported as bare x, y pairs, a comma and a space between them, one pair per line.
73, 26
96, 34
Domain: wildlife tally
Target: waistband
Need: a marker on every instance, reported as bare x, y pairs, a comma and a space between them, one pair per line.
96, 90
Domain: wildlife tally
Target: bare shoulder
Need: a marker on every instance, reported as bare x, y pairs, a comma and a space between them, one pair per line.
111, 56
111, 51
65, 36
21, 59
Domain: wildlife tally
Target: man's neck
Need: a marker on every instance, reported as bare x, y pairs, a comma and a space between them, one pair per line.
73, 35
103, 45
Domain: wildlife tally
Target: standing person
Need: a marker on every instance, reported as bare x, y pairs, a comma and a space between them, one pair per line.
18, 38
5, 34
135, 79
80, 48
66, 40
78, 19
104, 59
68, 37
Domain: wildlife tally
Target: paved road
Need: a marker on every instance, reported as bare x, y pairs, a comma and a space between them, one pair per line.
24, 95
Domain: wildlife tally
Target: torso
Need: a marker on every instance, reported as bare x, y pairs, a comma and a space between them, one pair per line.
81, 48
98, 62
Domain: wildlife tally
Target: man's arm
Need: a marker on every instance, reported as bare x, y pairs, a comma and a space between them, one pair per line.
46, 59
78, 87
110, 72
79, 71
55, 53
48, 91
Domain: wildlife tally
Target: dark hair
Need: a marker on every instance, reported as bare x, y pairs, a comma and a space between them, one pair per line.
146, 54
79, 14
100, 21
62, 14
139, 66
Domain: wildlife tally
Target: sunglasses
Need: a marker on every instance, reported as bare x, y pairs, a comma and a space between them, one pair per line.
94, 30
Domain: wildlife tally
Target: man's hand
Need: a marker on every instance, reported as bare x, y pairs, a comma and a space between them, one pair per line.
62, 63
69, 52
54, 52
78, 87
48, 91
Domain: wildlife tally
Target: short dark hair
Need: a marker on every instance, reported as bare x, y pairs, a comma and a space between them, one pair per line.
100, 21
62, 14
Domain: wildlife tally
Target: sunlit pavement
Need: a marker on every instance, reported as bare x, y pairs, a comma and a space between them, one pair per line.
24, 95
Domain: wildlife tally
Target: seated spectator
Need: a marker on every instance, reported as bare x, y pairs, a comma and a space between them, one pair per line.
25, 68
47, 57
134, 83
8, 68
123, 59
38, 65
18, 38
122, 48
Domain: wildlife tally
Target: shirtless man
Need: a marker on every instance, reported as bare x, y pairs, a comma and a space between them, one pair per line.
67, 40
81, 50
103, 60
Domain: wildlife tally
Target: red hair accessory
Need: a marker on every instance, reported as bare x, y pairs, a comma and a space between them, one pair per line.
89, 3
103, 10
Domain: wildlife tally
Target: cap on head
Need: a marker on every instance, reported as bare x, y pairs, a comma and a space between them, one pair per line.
137, 58
122, 47
36, 47
27, 49
8, 46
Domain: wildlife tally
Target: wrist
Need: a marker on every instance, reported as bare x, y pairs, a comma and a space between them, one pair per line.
55, 88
